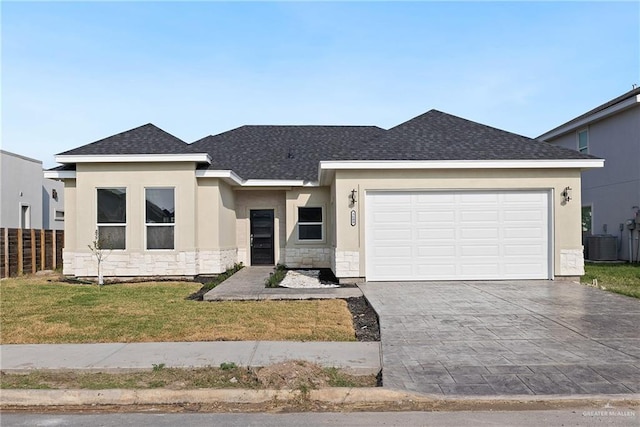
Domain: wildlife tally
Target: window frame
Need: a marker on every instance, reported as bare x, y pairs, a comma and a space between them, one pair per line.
585, 149
159, 224
582, 209
124, 224
321, 224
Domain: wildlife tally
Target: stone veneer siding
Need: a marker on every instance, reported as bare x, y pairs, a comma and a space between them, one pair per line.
150, 263
571, 262
308, 257
347, 264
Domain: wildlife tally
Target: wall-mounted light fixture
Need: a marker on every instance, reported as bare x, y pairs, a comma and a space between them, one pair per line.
566, 195
352, 196
54, 194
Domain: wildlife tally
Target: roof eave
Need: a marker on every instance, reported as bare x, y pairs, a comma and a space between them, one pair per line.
53, 174
573, 125
231, 178
328, 168
133, 158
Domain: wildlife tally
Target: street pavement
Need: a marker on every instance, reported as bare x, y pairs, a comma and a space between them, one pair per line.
611, 416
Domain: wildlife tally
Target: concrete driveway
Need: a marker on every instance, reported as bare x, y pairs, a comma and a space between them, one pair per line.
514, 338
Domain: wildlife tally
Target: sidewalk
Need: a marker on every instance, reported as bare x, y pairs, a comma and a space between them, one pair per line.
248, 285
359, 358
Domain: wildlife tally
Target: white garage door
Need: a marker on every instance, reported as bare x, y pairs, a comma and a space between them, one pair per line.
466, 235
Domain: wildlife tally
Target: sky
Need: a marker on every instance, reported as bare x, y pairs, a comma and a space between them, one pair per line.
76, 72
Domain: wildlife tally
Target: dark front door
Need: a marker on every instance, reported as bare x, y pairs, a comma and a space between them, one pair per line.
262, 237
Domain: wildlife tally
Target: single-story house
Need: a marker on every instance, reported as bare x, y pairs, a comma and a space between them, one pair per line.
435, 198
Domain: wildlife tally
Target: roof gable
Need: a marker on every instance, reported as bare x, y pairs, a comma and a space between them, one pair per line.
435, 135
145, 139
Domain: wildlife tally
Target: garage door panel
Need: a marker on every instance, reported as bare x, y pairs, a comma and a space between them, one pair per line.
512, 215
525, 232
477, 198
445, 216
522, 249
486, 269
432, 251
525, 268
435, 270
392, 217
477, 233
393, 252
479, 216
434, 199
435, 234
474, 235
479, 250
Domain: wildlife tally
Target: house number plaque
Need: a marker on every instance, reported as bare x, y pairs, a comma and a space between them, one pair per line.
353, 218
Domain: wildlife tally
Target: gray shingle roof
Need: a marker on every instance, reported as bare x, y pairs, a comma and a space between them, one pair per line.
282, 152
439, 136
293, 152
146, 139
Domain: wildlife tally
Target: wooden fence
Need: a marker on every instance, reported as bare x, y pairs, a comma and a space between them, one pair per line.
24, 251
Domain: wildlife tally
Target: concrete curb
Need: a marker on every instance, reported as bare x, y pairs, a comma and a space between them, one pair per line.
335, 395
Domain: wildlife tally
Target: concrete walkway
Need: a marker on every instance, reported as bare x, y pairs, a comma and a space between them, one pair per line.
507, 338
357, 357
249, 284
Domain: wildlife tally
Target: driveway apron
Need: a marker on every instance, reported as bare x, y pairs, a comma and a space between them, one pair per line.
507, 338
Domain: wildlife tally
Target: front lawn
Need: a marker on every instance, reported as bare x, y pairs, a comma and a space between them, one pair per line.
620, 278
33, 310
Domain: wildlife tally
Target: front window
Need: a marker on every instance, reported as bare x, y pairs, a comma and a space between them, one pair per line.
586, 219
310, 224
112, 217
583, 141
160, 218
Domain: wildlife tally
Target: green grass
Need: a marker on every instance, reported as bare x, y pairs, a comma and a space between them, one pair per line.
173, 378
276, 277
34, 310
619, 278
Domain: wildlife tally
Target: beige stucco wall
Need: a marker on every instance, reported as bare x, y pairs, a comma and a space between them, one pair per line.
185, 259
566, 234
216, 219
70, 218
308, 253
245, 201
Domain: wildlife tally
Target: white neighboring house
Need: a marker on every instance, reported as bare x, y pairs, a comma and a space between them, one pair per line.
610, 195
28, 200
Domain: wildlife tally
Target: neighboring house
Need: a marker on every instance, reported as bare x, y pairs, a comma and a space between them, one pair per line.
435, 198
611, 195
28, 199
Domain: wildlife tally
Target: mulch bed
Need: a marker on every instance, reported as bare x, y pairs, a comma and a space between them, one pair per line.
365, 319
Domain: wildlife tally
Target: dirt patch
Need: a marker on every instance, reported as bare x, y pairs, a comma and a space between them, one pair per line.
365, 319
293, 374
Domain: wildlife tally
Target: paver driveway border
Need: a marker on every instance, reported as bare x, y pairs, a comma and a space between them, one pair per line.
506, 338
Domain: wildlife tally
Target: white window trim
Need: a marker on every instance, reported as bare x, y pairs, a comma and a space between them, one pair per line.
321, 224
124, 224
155, 224
584, 150
28, 219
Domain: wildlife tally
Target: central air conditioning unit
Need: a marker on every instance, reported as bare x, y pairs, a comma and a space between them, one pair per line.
603, 247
